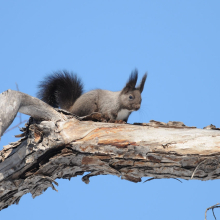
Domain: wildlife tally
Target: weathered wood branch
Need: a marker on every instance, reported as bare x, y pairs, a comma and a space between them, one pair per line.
12, 102
52, 150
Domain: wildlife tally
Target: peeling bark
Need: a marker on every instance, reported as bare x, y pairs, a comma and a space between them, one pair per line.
65, 149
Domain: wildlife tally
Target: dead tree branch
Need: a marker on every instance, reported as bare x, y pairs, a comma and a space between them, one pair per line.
65, 149
18, 116
12, 102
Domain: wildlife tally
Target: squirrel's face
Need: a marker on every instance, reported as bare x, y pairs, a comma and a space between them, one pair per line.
131, 100
131, 95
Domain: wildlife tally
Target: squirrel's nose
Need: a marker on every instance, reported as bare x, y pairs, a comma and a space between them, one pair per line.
137, 107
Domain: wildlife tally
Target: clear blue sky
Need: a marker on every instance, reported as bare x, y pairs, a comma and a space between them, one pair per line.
176, 42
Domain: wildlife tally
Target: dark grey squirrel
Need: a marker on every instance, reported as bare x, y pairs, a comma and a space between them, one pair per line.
65, 90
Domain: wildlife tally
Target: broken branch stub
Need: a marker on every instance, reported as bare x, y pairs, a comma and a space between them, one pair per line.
65, 149
12, 102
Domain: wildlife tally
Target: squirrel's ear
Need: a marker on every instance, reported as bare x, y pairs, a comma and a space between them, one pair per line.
141, 86
131, 82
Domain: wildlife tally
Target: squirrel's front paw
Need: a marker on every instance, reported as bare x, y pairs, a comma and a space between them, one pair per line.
117, 121
95, 116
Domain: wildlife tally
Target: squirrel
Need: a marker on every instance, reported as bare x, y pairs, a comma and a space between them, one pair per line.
65, 90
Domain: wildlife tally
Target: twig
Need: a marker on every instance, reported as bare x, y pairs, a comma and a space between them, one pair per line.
213, 213
212, 207
149, 179
197, 167
157, 178
177, 180
15, 126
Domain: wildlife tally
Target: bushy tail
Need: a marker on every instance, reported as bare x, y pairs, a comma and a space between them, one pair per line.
60, 89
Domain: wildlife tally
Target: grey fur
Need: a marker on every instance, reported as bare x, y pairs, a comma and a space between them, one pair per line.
112, 105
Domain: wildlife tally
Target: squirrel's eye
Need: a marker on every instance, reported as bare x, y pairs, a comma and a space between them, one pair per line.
130, 97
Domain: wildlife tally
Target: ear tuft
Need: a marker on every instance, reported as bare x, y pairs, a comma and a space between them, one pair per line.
131, 82
141, 86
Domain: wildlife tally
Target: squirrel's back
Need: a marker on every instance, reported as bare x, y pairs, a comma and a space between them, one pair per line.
61, 89
98, 100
